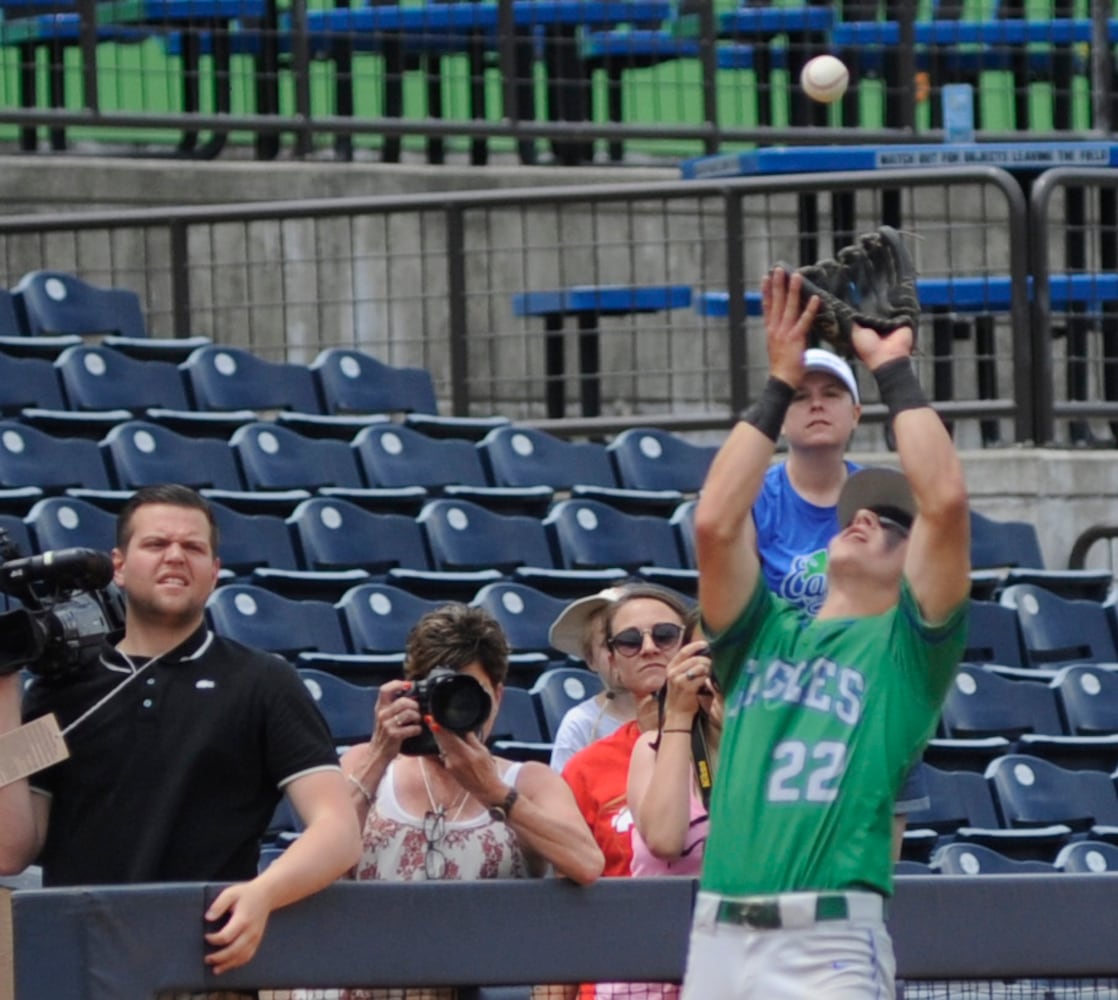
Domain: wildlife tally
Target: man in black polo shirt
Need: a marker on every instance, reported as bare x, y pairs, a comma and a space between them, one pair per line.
185, 745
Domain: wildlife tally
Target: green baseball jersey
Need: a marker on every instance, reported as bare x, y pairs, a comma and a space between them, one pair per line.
823, 721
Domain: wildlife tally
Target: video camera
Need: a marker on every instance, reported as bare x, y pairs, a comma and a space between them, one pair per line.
68, 612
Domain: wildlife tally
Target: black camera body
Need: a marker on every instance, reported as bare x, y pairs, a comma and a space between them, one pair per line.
68, 612
455, 701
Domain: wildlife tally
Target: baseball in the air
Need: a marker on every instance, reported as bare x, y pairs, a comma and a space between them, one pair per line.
824, 79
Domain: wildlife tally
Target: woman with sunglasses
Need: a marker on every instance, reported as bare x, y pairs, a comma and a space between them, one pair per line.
448, 809
644, 635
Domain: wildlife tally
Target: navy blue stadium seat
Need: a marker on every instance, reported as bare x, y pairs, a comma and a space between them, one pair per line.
1087, 857
349, 709
270, 621
140, 453
30, 457
64, 522
98, 378
276, 458
592, 535
526, 456
393, 456
28, 382
351, 381
1031, 793
974, 859
517, 732
517, 456
56, 302
647, 458
379, 616
333, 534
956, 799
524, 613
559, 689
983, 703
232, 378
1088, 699
11, 324
1056, 631
247, 542
993, 635
1005, 553
682, 521
466, 536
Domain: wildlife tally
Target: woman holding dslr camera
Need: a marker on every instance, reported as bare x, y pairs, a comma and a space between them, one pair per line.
433, 802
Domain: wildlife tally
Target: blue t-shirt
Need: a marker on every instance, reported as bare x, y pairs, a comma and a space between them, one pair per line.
792, 540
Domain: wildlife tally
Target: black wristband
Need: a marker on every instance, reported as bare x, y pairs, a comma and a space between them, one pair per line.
767, 413
899, 388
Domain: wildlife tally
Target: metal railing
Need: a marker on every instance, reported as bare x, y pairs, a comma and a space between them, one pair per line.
432, 280
539, 85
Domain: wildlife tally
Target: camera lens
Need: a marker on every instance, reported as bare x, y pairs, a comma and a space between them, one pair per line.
459, 703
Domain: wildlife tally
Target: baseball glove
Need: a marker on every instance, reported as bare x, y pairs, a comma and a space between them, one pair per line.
872, 283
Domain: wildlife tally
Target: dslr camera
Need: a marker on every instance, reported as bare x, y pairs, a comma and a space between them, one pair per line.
455, 701
68, 610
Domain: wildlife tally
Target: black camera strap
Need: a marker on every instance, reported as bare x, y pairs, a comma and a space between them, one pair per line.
700, 753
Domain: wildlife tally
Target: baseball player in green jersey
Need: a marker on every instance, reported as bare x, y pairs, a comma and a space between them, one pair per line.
823, 716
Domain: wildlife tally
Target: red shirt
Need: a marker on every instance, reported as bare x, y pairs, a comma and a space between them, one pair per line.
599, 777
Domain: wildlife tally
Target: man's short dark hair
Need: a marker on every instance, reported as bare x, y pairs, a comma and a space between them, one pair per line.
173, 494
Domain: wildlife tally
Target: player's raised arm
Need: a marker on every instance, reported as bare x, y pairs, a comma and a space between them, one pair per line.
728, 564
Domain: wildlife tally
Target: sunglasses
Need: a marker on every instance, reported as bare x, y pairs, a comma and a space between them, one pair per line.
630, 641
890, 526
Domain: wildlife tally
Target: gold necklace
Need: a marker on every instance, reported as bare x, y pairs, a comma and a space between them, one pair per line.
436, 808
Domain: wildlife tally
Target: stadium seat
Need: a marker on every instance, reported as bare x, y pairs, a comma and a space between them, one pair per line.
517, 732
95, 377
905, 867
1056, 631
56, 303
1031, 793
351, 381
993, 635
524, 613
267, 620
140, 453
974, 859
349, 709
516, 456
378, 616
11, 324
561, 688
592, 535
956, 799
1087, 857
28, 382
247, 542
335, 534
174, 350
647, 458
683, 521
982, 703
1005, 553
30, 457
64, 522
1088, 698
465, 536
233, 378
276, 458
526, 456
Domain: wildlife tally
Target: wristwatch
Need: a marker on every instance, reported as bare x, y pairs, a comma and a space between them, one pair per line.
500, 813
